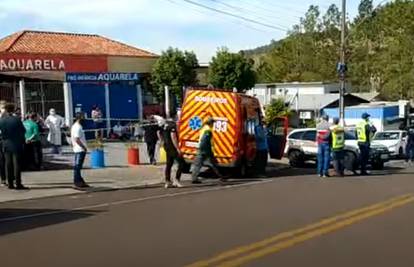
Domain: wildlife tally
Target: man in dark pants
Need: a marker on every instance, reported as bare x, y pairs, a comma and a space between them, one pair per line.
2, 160
151, 138
409, 148
80, 149
33, 150
169, 139
13, 131
205, 155
365, 131
338, 144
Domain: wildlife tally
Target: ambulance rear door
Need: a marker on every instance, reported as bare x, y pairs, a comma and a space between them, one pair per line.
200, 105
276, 137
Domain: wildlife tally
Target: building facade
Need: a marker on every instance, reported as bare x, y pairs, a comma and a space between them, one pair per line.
73, 72
267, 91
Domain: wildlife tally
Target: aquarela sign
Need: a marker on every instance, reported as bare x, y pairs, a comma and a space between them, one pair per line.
35, 64
10, 62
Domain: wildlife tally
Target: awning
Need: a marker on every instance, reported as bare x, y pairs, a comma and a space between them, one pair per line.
41, 75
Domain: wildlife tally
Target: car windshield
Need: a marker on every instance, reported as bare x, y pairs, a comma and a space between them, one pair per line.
350, 135
387, 136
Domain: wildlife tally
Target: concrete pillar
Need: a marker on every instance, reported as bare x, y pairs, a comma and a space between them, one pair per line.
107, 108
22, 98
67, 96
140, 102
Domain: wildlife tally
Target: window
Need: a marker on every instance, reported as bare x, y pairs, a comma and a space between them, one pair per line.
404, 135
387, 136
309, 136
295, 135
350, 135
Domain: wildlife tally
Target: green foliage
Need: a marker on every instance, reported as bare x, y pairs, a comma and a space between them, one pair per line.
176, 69
277, 108
310, 123
231, 70
379, 50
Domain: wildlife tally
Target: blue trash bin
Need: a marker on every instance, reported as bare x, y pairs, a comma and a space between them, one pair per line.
97, 159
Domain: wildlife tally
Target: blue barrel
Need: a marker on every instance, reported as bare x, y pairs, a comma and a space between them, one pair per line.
97, 159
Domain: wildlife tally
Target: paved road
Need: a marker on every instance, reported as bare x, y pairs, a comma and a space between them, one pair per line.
295, 219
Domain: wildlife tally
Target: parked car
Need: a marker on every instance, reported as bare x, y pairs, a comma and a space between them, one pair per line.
395, 141
301, 147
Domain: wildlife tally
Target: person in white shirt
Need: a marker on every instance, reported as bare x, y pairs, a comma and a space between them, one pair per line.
96, 116
79, 148
118, 129
54, 123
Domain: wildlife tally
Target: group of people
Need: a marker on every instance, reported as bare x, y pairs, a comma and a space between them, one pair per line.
205, 155
165, 131
331, 143
20, 142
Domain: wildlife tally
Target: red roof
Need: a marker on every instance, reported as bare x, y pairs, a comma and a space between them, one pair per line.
38, 42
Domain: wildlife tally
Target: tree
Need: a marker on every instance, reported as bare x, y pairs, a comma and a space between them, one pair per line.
175, 69
365, 9
332, 18
379, 54
276, 108
231, 70
311, 20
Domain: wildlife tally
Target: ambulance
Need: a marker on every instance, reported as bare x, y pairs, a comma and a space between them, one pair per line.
236, 116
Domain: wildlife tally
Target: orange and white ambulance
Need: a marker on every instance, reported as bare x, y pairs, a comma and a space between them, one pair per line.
236, 116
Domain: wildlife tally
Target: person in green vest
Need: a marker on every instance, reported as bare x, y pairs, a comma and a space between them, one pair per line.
338, 144
365, 132
33, 147
205, 154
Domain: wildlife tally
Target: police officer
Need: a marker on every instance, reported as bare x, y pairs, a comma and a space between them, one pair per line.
365, 132
205, 155
338, 143
409, 149
323, 139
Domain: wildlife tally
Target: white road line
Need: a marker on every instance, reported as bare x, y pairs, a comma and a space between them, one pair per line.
129, 201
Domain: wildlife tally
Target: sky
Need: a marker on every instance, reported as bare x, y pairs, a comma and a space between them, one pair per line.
155, 25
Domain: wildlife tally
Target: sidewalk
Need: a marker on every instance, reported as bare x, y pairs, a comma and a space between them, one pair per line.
60, 182
118, 175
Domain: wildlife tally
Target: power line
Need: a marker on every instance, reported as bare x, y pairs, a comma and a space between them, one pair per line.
272, 12
237, 16
231, 21
256, 15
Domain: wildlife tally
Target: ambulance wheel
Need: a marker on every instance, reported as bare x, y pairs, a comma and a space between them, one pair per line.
241, 170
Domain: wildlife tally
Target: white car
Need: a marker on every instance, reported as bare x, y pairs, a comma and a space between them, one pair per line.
395, 141
301, 146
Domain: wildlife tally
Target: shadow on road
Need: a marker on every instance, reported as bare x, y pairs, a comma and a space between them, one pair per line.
18, 220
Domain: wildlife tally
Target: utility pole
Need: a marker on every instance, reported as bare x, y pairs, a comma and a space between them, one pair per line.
342, 67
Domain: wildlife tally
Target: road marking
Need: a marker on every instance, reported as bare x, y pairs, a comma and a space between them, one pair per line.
293, 237
130, 201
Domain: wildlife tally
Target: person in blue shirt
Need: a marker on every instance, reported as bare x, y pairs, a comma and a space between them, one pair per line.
261, 148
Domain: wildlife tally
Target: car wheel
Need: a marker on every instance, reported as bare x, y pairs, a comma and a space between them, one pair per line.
350, 161
296, 158
400, 153
378, 165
